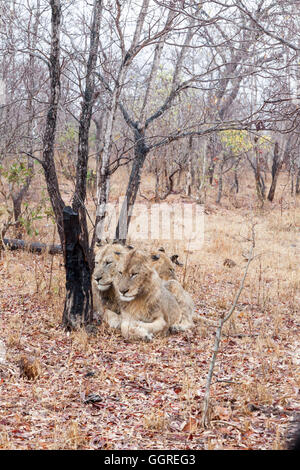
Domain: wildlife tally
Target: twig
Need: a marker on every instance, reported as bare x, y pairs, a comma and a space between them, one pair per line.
222, 320
227, 381
227, 424
33, 157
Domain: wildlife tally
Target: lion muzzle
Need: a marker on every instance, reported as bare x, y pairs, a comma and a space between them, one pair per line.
124, 297
103, 287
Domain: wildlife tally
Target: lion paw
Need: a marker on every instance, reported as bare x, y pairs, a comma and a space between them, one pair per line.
114, 323
148, 337
176, 329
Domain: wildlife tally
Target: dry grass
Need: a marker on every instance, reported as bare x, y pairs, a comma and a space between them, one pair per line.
101, 392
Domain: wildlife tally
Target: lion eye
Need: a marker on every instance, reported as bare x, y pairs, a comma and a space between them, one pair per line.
120, 272
107, 263
133, 274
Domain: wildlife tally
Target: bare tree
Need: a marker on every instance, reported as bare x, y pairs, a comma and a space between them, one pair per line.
127, 58
71, 222
167, 77
139, 127
79, 260
51, 119
18, 196
276, 165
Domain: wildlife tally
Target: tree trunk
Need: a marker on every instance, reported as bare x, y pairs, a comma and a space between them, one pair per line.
202, 178
276, 166
79, 197
220, 182
292, 177
141, 151
236, 179
103, 172
51, 120
259, 181
71, 223
188, 186
212, 162
260, 187
79, 301
298, 182
157, 174
18, 197
99, 123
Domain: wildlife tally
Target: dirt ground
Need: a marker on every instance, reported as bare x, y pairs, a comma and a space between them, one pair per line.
99, 391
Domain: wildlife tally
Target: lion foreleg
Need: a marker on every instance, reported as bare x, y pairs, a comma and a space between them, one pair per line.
135, 329
112, 319
132, 329
156, 326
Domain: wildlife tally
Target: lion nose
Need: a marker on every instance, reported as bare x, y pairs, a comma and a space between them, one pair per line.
124, 291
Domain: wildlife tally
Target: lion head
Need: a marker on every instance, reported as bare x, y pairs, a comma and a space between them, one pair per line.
106, 260
163, 265
135, 276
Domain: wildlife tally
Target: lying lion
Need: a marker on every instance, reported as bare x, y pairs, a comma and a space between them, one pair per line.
164, 267
147, 306
105, 298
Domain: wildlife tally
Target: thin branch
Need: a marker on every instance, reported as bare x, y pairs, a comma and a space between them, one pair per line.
33, 157
222, 320
244, 9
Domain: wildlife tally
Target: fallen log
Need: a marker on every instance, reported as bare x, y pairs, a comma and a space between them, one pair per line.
33, 247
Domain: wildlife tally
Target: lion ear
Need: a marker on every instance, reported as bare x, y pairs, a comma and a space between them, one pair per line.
155, 257
98, 246
174, 259
101, 243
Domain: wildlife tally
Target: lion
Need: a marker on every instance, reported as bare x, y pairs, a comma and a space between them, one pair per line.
105, 296
164, 267
147, 306
184, 301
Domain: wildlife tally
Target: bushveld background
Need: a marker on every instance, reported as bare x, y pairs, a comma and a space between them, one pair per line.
162, 101
98, 391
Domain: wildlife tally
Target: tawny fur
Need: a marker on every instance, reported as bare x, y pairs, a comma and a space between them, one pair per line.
163, 265
105, 297
165, 268
147, 306
184, 301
